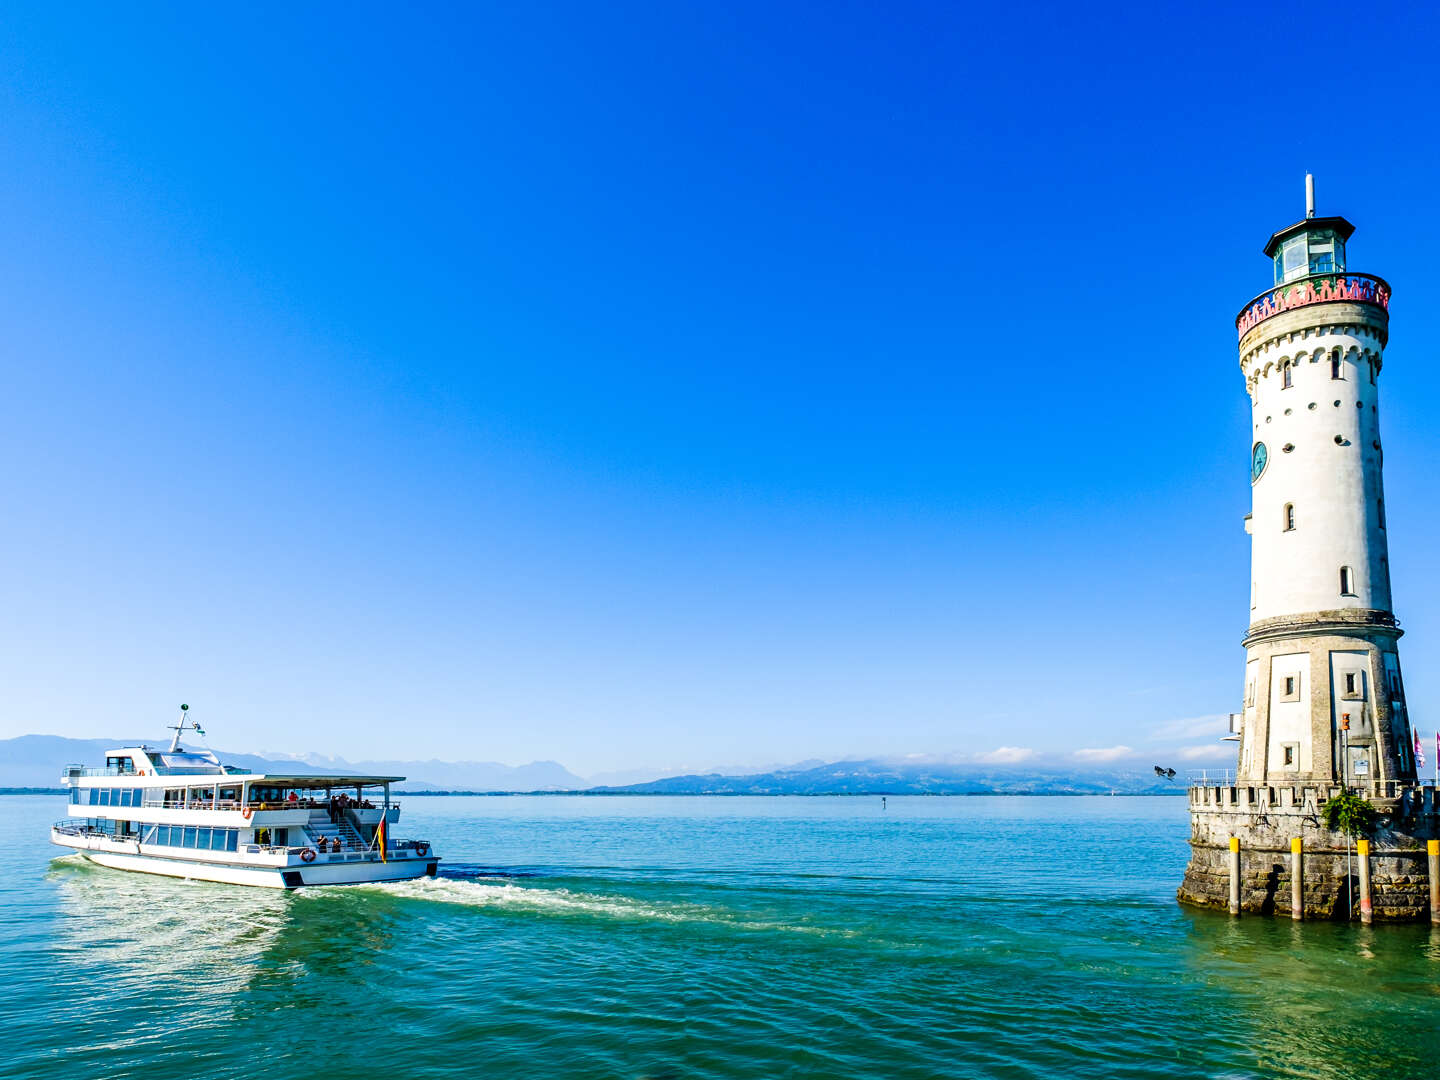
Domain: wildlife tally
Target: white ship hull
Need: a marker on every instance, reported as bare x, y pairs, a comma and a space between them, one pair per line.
104, 853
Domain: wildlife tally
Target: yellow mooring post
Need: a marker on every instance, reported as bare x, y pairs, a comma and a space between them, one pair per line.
1362, 848
1432, 848
1234, 875
1297, 880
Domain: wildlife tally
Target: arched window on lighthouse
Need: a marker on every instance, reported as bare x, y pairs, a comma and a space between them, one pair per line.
1289, 517
1288, 376
1347, 581
1335, 364
1380, 508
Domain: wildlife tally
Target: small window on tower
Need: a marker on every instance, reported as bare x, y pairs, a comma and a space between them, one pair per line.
1288, 376
1347, 581
1335, 364
1380, 509
1289, 517
1352, 685
1291, 685
1290, 755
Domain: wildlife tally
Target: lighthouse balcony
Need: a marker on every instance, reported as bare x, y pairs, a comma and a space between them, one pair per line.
1314, 289
1406, 797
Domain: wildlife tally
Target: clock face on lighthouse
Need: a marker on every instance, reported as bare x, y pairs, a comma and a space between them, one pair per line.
1258, 457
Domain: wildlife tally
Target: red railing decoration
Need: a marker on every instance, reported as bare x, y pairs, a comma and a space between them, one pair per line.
1313, 290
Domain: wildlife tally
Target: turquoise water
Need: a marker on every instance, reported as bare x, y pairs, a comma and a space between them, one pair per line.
695, 937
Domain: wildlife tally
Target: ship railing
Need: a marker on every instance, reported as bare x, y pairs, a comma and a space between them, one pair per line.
69, 828
308, 804
396, 849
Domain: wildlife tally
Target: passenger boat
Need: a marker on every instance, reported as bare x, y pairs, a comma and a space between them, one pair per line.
182, 813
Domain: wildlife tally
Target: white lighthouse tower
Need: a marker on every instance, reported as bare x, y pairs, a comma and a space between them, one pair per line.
1324, 727
1323, 696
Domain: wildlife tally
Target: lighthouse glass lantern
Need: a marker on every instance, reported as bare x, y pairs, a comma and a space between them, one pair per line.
1315, 246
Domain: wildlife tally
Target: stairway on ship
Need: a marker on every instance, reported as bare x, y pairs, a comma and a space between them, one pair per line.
321, 826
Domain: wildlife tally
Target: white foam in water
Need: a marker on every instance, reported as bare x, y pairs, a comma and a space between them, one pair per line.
567, 902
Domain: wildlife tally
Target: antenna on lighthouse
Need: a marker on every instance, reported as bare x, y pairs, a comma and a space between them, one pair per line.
1309, 195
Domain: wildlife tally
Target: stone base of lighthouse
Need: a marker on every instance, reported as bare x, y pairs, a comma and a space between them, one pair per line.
1266, 819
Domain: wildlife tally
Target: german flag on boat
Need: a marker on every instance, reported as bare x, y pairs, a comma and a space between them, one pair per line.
381, 838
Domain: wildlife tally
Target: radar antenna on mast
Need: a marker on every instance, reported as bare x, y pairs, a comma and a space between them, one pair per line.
179, 728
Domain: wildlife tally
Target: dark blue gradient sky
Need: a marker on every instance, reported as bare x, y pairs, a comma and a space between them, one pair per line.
669, 385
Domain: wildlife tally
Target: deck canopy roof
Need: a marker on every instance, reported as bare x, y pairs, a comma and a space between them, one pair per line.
312, 781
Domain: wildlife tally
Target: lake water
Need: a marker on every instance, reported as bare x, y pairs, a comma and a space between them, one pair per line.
705, 937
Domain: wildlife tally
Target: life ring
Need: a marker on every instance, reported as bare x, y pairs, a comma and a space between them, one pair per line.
245, 813
422, 848
308, 855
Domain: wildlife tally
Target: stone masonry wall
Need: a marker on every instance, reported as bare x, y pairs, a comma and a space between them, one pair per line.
1399, 880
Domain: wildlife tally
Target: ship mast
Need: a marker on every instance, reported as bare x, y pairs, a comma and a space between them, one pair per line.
179, 728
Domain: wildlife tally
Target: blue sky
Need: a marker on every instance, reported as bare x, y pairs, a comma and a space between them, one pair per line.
668, 386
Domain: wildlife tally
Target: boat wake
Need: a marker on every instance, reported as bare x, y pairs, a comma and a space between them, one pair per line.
503, 896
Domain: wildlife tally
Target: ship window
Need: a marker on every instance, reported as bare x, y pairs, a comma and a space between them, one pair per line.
232, 840
74, 796
189, 837
217, 839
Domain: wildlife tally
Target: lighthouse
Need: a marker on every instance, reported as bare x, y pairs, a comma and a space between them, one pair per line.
1324, 717
1323, 696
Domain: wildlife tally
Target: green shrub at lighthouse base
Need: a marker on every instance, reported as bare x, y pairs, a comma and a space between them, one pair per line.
1350, 814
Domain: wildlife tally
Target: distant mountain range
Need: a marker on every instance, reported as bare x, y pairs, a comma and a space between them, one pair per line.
36, 761
880, 777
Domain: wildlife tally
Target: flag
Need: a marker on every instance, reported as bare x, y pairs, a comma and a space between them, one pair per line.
1420, 750
380, 836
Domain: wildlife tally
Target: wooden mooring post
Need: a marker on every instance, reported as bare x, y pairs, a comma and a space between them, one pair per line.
1362, 849
1432, 849
1297, 880
1234, 875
